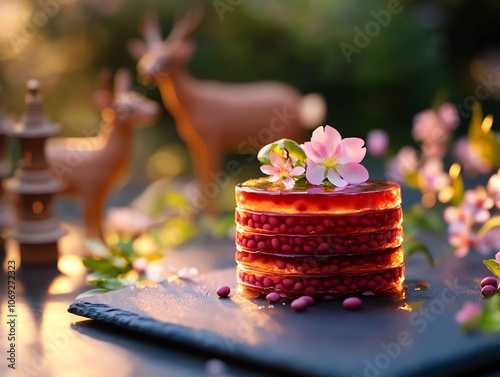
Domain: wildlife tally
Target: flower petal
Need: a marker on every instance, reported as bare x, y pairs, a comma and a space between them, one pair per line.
333, 140
276, 160
269, 170
312, 152
497, 257
352, 150
315, 173
289, 183
353, 173
274, 178
298, 170
335, 179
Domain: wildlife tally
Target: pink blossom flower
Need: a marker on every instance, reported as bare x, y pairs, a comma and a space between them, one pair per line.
493, 188
458, 220
469, 158
329, 156
463, 242
404, 163
282, 170
448, 115
477, 203
434, 129
432, 175
468, 311
489, 241
377, 142
497, 257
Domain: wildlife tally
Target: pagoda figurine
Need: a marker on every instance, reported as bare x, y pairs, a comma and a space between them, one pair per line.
6, 212
36, 230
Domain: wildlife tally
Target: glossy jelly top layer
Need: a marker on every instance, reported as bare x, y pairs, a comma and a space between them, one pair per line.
262, 196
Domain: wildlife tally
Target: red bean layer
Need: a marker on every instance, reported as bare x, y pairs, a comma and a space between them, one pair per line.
335, 285
261, 196
321, 264
319, 224
319, 244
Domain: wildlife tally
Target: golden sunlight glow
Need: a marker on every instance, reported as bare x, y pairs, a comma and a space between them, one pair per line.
70, 265
144, 245
446, 194
455, 170
487, 123
428, 199
60, 285
169, 161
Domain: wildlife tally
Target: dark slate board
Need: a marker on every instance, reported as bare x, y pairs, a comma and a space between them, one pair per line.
325, 340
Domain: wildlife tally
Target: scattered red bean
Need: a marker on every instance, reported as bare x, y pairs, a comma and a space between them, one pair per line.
367, 293
273, 297
352, 303
488, 290
489, 280
308, 299
299, 304
223, 291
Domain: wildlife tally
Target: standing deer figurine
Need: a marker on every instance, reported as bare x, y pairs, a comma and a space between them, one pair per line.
89, 167
215, 117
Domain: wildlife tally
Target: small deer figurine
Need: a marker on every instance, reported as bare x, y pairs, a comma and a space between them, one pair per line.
214, 117
89, 167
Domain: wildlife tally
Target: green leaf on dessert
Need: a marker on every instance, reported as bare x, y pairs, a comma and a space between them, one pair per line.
493, 266
294, 150
263, 155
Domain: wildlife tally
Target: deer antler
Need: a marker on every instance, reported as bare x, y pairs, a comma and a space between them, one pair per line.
186, 25
151, 29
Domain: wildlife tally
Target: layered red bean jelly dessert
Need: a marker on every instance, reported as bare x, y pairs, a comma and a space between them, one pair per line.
319, 240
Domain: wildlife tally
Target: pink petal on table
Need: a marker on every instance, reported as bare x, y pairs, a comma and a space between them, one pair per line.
335, 179
353, 173
187, 273
315, 173
468, 311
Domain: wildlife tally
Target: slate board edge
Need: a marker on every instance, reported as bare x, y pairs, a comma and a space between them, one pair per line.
113, 316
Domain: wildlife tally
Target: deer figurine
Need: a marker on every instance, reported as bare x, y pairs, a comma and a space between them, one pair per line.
89, 167
214, 117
